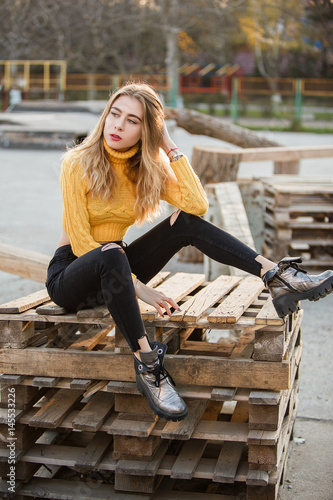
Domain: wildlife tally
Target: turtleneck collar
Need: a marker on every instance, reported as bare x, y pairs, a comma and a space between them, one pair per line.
120, 156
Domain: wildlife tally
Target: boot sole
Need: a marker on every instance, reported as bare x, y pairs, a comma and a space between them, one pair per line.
286, 304
156, 409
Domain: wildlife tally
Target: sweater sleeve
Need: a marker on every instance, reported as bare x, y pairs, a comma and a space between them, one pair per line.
185, 190
75, 217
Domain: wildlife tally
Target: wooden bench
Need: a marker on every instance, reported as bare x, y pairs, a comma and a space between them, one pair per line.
234, 361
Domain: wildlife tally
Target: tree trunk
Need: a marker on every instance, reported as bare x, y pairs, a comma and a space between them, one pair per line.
200, 124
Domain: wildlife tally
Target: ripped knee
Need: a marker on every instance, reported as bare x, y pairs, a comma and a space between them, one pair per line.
110, 246
174, 217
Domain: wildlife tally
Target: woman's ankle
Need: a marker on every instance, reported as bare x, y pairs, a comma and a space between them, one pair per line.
266, 264
144, 346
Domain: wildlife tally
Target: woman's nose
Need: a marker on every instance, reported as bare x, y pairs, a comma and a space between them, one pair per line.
119, 125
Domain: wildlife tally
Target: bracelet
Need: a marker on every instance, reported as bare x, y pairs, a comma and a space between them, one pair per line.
176, 157
174, 149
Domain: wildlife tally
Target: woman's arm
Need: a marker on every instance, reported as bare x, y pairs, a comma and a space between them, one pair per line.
184, 189
75, 213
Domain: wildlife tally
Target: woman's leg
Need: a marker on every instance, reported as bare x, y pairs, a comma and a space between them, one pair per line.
150, 253
102, 276
286, 282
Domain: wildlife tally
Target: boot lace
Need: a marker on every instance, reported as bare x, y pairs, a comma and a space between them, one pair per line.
294, 265
160, 374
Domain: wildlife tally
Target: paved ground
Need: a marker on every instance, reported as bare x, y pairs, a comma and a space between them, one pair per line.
30, 204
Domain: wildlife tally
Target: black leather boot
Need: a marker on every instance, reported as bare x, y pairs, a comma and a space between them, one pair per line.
288, 284
154, 382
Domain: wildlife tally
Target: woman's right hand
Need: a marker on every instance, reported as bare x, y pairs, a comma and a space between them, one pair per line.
155, 298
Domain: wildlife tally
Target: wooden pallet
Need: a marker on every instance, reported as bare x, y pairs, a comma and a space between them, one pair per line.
227, 211
299, 219
79, 413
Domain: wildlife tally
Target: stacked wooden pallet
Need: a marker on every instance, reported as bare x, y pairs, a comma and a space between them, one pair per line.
299, 219
72, 416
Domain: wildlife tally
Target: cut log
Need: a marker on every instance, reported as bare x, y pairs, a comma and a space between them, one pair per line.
195, 122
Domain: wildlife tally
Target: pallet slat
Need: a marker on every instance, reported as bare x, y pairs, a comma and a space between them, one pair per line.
237, 302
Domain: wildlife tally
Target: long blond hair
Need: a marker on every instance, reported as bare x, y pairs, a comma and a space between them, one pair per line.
147, 168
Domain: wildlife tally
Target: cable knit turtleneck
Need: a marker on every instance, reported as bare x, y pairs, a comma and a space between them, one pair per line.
90, 221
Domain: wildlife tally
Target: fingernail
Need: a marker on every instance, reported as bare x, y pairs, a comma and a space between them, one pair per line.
179, 309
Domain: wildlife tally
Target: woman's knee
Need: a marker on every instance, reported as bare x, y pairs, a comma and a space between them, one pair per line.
111, 246
115, 266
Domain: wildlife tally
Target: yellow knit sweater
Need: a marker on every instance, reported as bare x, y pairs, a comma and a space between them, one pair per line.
89, 220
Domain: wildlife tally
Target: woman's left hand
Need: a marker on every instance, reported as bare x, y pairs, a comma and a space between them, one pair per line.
155, 298
167, 141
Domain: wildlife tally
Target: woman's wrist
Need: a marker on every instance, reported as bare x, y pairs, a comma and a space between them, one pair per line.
175, 155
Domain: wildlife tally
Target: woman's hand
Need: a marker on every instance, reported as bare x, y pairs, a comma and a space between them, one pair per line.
168, 143
155, 298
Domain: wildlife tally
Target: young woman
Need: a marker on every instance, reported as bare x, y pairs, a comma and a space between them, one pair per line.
117, 177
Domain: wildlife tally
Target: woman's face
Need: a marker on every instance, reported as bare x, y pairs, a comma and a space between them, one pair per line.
123, 125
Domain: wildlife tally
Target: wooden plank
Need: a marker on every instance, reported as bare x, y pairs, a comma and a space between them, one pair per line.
142, 467
50, 308
189, 495
184, 429
223, 394
135, 448
45, 381
159, 278
143, 484
188, 459
133, 404
94, 387
24, 303
244, 346
95, 412
233, 215
195, 307
227, 463
68, 490
241, 412
16, 334
278, 153
10, 380
132, 427
200, 348
221, 431
79, 384
257, 478
56, 409
237, 301
177, 287
23, 262
264, 397
88, 341
94, 451
206, 370
268, 315
97, 312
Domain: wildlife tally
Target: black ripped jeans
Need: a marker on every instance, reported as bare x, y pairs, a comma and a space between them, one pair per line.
103, 275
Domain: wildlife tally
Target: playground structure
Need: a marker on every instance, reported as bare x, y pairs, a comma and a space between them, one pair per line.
49, 79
